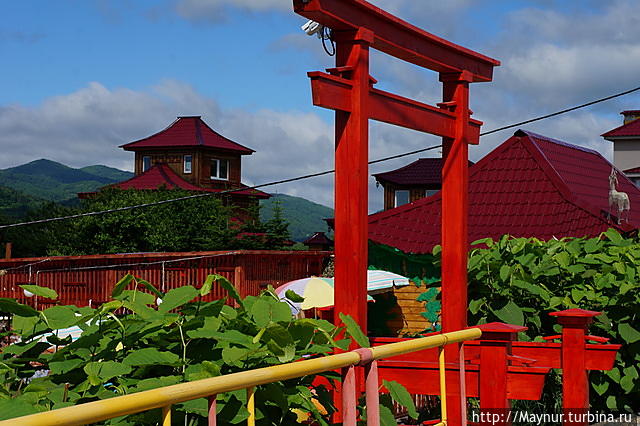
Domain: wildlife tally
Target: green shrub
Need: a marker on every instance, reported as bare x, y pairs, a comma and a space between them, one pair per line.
183, 339
521, 280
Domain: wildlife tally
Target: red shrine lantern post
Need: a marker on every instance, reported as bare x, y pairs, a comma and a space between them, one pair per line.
348, 89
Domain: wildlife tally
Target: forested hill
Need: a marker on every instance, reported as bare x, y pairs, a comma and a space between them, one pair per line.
14, 204
30, 185
305, 217
53, 181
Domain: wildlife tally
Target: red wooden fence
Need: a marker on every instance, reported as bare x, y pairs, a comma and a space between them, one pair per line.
88, 280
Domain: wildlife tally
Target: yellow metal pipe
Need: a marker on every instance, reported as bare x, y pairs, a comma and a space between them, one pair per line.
413, 345
166, 415
251, 406
96, 411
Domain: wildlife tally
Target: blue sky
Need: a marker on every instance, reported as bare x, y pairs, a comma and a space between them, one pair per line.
81, 77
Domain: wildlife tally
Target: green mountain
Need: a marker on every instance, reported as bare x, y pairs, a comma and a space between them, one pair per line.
115, 175
53, 181
305, 217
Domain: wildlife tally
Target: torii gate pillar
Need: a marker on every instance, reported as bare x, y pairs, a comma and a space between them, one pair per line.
455, 205
352, 174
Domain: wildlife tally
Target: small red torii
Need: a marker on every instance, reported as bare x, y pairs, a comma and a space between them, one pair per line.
348, 89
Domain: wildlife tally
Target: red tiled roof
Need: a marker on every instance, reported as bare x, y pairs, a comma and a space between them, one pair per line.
162, 175
318, 238
424, 171
530, 186
626, 130
188, 131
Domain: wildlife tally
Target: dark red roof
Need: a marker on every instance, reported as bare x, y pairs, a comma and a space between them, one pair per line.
626, 130
318, 238
633, 170
530, 186
162, 175
424, 171
188, 131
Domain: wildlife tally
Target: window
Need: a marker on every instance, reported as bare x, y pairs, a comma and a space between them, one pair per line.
187, 164
402, 197
146, 163
430, 192
219, 169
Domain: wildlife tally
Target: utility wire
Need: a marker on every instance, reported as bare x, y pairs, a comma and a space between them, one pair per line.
564, 111
326, 172
208, 194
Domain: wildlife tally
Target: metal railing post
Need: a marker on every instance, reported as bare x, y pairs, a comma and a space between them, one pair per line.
349, 396
166, 415
213, 411
372, 395
251, 406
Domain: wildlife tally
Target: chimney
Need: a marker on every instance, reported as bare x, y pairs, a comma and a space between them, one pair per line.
630, 115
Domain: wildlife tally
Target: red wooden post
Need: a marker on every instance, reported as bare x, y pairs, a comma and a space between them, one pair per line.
454, 225
575, 377
495, 349
372, 394
213, 411
352, 172
349, 399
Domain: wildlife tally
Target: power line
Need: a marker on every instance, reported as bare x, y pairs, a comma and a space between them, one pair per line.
308, 176
564, 111
208, 194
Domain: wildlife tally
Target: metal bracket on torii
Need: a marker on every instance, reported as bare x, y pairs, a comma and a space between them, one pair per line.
348, 89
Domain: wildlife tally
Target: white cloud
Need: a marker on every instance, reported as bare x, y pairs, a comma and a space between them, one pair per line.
87, 126
214, 10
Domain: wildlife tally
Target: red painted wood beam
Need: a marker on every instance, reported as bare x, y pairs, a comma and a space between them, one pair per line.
398, 38
334, 92
421, 378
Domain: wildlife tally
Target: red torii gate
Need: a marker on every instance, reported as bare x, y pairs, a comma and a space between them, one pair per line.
348, 89
357, 26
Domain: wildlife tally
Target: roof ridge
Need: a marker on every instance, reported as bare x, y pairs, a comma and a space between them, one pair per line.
629, 124
408, 165
153, 134
198, 120
556, 177
224, 137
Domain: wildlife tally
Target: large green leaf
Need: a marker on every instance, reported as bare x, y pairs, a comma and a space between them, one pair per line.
203, 370
354, 330
101, 372
121, 285
233, 355
266, 310
229, 287
151, 356
60, 317
400, 395
157, 382
177, 297
61, 367
293, 296
12, 307
208, 330
40, 291
628, 333
510, 314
